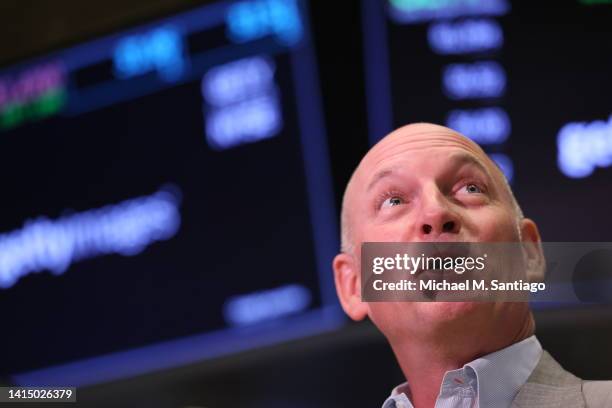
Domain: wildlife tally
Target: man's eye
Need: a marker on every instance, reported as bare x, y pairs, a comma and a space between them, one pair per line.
392, 202
472, 188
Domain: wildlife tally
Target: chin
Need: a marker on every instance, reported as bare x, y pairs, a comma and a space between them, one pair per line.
401, 320
444, 313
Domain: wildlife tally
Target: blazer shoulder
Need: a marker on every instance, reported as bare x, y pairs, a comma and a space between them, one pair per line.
597, 393
549, 372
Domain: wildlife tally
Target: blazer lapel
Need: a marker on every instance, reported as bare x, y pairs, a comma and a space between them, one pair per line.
547, 396
550, 386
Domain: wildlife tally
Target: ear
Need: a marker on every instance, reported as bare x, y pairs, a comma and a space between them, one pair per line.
348, 286
532, 246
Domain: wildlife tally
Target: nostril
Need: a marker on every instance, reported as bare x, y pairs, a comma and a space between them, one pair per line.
426, 228
448, 226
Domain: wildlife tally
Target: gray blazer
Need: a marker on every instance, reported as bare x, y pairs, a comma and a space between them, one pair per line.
549, 385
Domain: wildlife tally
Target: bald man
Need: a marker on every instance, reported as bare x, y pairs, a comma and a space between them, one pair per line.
425, 183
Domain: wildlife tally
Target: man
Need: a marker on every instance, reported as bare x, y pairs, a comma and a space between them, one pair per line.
427, 183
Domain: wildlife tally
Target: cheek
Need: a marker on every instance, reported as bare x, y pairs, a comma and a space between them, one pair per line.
389, 232
493, 224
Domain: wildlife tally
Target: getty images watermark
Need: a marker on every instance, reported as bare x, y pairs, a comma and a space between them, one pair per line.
566, 272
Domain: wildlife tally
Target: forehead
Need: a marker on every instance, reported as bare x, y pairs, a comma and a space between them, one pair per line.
425, 146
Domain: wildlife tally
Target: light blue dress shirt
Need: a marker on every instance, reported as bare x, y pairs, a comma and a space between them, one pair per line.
491, 381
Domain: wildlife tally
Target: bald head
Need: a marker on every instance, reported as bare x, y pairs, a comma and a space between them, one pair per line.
412, 141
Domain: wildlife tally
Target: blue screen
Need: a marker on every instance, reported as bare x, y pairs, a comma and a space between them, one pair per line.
168, 196
524, 80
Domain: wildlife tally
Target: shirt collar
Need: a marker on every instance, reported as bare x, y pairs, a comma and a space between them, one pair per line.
496, 377
500, 375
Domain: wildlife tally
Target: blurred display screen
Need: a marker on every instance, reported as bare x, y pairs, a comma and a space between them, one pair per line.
529, 82
167, 196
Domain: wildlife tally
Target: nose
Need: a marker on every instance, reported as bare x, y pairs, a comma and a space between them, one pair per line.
436, 217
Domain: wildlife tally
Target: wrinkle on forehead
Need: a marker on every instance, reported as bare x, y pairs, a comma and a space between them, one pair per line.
417, 138
414, 139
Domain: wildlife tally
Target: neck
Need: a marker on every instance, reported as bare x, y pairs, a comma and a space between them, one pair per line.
424, 361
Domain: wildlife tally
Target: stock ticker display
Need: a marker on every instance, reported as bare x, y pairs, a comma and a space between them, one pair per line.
528, 81
167, 196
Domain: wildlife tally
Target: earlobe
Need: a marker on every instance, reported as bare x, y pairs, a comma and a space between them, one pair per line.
348, 286
532, 245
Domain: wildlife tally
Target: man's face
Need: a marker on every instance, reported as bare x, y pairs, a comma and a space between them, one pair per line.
425, 183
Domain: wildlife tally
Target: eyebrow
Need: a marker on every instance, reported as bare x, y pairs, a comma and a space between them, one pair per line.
457, 160
379, 176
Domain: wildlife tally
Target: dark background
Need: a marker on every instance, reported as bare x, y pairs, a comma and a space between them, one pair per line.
557, 62
354, 366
